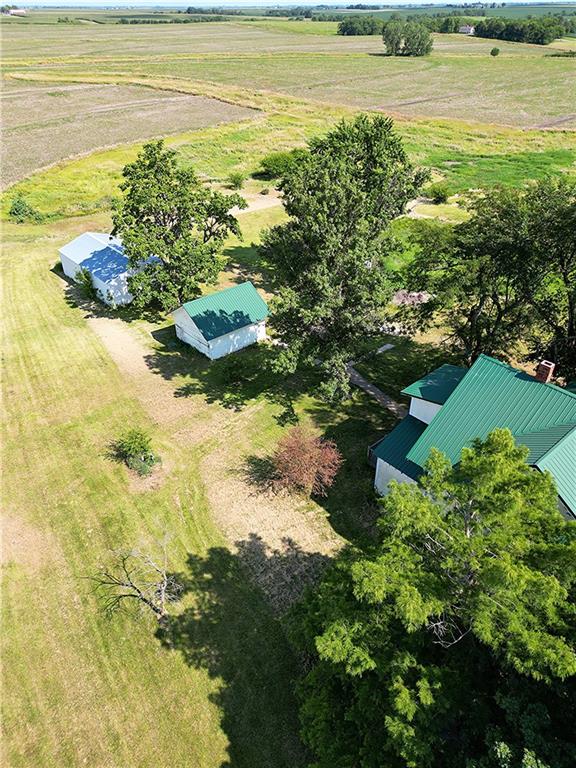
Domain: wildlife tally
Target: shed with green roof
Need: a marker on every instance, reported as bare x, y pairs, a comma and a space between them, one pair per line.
224, 321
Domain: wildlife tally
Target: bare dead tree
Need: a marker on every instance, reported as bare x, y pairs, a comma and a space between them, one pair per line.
135, 577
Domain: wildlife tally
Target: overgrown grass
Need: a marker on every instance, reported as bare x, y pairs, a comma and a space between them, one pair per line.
465, 154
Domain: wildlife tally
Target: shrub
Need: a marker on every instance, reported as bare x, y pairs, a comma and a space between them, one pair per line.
278, 164
305, 463
494, 51
21, 211
265, 191
437, 192
134, 449
84, 280
236, 180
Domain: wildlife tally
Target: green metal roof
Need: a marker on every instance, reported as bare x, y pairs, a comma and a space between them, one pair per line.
560, 461
491, 395
394, 447
229, 310
438, 385
540, 443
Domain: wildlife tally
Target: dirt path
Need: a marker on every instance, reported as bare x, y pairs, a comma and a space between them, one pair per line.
283, 542
259, 203
381, 397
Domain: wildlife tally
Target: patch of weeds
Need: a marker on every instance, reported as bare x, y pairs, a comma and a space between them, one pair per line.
236, 180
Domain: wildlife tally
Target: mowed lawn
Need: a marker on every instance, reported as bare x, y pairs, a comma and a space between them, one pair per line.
80, 689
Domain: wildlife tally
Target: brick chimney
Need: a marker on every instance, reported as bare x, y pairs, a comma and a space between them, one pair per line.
544, 371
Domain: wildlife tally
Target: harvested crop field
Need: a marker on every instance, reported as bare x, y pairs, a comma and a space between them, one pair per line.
43, 124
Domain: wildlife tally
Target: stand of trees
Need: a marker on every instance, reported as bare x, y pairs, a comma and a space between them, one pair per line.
360, 25
541, 31
507, 276
406, 38
449, 642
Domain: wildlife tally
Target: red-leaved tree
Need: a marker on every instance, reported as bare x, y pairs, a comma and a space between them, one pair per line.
306, 463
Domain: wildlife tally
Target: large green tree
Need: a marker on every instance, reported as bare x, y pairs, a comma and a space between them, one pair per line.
507, 275
330, 257
449, 643
406, 38
172, 227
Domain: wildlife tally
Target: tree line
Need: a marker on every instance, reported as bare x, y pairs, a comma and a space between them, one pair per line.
541, 31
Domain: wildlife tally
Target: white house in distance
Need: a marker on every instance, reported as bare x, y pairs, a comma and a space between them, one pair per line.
222, 322
466, 29
103, 257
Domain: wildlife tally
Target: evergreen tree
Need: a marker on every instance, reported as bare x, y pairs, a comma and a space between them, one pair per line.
450, 643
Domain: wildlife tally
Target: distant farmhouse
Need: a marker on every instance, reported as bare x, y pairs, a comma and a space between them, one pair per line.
452, 406
13, 11
223, 322
466, 29
103, 257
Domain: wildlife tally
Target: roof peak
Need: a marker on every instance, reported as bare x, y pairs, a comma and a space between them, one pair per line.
549, 384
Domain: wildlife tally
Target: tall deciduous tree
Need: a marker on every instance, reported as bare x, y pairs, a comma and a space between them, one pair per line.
172, 227
406, 38
506, 275
330, 257
451, 642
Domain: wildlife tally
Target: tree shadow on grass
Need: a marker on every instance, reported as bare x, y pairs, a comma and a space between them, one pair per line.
247, 264
231, 381
229, 630
351, 502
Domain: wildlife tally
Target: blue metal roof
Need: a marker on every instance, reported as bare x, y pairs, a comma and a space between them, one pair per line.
102, 255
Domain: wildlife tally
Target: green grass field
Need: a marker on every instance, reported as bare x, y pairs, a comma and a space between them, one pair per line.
84, 690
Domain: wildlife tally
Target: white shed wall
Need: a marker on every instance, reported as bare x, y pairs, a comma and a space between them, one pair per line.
384, 474
232, 342
113, 292
423, 410
188, 332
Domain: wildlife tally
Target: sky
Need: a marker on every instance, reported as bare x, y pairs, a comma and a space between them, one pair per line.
224, 3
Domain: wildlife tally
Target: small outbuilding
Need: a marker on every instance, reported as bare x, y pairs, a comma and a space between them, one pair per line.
466, 29
103, 257
223, 322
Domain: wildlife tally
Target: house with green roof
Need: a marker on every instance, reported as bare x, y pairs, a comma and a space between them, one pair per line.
224, 321
452, 406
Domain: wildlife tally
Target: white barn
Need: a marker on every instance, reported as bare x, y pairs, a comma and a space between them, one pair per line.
103, 257
223, 322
